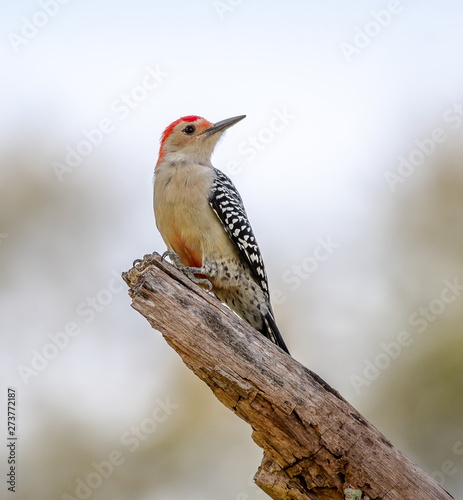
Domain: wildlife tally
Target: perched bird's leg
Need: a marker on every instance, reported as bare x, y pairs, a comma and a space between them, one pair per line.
207, 270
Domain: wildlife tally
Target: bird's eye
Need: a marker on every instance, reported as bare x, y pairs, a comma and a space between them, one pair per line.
189, 129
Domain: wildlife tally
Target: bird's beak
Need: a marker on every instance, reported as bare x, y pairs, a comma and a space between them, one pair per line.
223, 125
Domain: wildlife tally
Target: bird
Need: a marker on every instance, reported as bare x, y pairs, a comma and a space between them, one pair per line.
202, 220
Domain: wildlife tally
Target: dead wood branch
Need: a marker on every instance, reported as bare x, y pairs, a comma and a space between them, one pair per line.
316, 445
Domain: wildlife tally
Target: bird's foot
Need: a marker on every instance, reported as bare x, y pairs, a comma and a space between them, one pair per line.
188, 271
141, 264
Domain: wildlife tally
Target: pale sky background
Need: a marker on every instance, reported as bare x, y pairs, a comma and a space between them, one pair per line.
321, 176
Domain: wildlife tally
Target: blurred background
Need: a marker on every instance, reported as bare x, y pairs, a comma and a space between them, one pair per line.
352, 142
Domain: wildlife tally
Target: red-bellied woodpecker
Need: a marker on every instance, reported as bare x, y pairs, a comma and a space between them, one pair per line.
202, 220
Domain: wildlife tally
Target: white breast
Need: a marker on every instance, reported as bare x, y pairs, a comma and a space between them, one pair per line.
182, 209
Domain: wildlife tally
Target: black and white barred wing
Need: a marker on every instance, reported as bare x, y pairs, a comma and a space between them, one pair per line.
228, 205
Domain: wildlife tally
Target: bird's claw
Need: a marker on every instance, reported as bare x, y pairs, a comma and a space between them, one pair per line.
142, 264
174, 258
188, 271
200, 281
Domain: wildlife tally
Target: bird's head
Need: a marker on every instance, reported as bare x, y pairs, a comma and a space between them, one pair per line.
192, 138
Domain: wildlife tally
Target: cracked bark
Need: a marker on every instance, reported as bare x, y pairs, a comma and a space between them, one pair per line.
316, 445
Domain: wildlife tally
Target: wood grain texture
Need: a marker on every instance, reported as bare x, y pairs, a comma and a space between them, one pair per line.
316, 445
